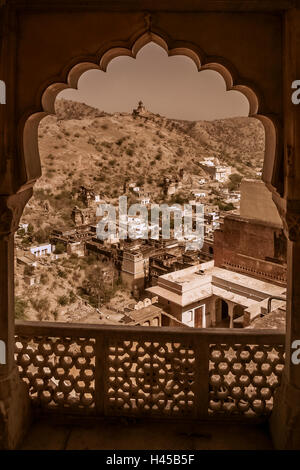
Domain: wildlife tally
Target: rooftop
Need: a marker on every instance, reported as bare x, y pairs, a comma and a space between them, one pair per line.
141, 315
204, 280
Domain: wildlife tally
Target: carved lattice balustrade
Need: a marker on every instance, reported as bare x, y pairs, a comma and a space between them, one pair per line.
138, 371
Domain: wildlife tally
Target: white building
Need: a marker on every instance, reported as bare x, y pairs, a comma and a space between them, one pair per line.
41, 250
145, 201
222, 173
203, 295
208, 161
200, 193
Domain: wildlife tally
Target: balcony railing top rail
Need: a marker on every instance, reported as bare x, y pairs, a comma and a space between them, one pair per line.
150, 371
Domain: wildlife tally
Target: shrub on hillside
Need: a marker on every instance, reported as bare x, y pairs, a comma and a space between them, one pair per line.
41, 305
44, 279
234, 181
63, 300
59, 248
62, 274
28, 270
72, 297
42, 235
20, 307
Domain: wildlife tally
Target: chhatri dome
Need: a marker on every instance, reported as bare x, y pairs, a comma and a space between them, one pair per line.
140, 109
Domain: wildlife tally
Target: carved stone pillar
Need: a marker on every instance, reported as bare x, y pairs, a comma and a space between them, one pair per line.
14, 402
230, 313
285, 419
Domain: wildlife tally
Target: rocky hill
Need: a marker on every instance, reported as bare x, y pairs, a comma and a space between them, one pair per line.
68, 109
81, 145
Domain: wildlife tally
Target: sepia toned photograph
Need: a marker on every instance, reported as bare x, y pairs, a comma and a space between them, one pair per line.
149, 228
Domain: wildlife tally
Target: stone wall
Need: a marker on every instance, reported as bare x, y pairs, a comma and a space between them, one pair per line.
251, 247
257, 203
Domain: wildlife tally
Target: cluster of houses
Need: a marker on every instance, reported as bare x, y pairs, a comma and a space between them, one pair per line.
216, 171
226, 283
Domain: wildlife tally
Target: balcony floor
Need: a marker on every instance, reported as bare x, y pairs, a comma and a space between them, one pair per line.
121, 434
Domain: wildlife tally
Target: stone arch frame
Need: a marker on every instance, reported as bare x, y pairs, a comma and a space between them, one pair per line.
28, 127
285, 425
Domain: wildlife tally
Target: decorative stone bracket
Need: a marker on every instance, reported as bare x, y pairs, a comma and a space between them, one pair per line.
11, 209
292, 226
289, 212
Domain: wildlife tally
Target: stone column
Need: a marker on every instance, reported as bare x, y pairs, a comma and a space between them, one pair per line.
213, 311
203, 316
14, 402
285, 419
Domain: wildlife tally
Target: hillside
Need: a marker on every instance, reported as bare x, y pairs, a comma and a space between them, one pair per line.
81, 145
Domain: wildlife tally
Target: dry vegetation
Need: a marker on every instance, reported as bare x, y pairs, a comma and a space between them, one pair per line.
84, 146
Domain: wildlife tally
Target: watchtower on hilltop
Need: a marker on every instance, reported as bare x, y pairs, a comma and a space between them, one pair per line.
140, 110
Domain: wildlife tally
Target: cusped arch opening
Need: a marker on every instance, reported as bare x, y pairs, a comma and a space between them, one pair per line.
32, 167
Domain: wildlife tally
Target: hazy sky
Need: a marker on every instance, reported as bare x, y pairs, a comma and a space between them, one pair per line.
170, 86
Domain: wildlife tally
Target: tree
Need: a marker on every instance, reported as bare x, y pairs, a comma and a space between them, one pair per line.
20, 307
42, 305
140, 182
63, 300
226, 207
72, 297
28, 270
234, 181
59, 248
44, 278
96, 286
30, 229
42, 235
178, 198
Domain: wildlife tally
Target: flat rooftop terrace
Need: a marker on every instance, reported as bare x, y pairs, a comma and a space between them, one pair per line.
204, 280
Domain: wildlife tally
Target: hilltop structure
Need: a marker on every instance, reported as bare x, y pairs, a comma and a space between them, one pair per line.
140, 110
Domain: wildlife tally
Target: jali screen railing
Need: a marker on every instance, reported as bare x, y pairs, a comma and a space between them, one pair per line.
150, 371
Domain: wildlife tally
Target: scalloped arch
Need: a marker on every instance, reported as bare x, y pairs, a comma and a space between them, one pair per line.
30, 143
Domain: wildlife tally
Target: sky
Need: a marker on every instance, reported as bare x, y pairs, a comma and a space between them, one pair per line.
170, 86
